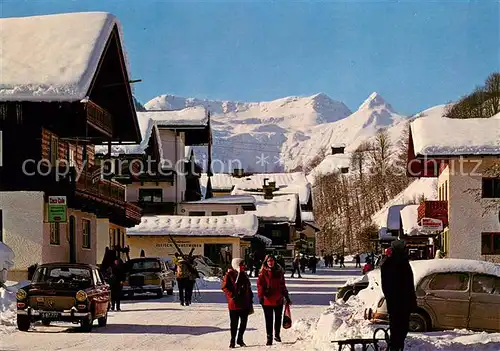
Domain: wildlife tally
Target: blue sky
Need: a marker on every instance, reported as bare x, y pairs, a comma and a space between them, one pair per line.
415, 54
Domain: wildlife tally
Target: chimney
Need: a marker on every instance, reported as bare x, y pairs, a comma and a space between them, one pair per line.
268, 189
338, 149
344, 170
238, 172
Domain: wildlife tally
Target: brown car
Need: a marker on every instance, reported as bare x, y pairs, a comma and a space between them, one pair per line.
66, 292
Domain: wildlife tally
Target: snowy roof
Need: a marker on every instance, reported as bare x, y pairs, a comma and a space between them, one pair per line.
422, 268
331, 164
409, 218
228, 200
287, 183
244, 225
455, 137
282, 208
219, 181
423, 186
52, 57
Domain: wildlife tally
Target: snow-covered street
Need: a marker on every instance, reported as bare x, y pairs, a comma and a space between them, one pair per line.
149, 324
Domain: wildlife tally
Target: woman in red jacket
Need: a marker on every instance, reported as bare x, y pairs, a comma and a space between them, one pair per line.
238, 290
272, 293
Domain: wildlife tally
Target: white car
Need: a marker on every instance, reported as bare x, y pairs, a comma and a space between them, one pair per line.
451, 293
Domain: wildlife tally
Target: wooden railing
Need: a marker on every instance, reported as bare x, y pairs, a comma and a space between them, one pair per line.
99, 117
104, 189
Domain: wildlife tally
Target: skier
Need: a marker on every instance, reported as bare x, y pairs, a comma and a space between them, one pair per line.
272, 294
296, 266
399, 293
116, 284
238, 290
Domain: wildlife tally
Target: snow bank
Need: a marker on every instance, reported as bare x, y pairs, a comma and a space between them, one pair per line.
6, 261
449, 136
8, 303
244, 225
53, 57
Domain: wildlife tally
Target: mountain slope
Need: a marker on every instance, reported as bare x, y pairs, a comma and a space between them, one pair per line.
286, 133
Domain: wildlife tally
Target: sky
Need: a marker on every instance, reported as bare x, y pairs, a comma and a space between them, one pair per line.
415, 54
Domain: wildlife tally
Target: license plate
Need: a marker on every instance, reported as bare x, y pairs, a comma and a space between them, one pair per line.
50, 314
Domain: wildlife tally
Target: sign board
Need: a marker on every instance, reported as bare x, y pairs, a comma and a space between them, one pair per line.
431, 225
290, 246
57, 209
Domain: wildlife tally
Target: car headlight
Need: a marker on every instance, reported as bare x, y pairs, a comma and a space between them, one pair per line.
381, 302
81, 296
21, 294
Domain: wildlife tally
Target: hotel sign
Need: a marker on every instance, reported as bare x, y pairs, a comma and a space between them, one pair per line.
431, 225
57, 209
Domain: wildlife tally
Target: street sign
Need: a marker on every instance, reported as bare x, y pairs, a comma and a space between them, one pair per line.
57, 209
431, 225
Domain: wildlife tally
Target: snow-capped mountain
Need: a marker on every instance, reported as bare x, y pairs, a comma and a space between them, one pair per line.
286, 133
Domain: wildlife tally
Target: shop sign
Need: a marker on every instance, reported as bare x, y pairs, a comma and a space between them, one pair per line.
431, 225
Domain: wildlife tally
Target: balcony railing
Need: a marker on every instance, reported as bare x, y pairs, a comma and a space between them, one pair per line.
434, 209
99, 117
104, 189
133, 212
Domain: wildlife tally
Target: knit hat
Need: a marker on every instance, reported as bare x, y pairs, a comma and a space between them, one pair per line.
235, 263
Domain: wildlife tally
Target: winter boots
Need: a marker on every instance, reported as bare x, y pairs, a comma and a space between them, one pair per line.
269, 340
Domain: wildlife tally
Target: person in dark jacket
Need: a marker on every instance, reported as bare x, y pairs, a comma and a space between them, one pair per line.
341, 261
399, 292
296, 266
358, 260
239, 295
250, 263
116, 284
272, 294
185, 275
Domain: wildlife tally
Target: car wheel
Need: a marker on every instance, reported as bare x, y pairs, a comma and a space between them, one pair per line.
23, 323
419, 322
103, 321
46, 322
86, 324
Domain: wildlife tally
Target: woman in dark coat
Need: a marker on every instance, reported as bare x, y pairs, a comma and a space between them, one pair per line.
399, 292
238, 290
116, 284
272, 293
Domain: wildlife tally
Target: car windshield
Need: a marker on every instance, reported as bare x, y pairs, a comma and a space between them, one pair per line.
63, 275
145, 266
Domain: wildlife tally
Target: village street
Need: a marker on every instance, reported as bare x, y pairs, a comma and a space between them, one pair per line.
149, 324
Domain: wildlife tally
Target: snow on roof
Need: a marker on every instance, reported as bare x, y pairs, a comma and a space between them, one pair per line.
281, 208
331, 164
423, 186
229, 200
287, 183
220, 181
307, 216
409, 218
383, 234
449, 136
52, 57
244, 225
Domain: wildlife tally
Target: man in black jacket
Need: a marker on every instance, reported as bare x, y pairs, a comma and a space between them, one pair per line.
399, 292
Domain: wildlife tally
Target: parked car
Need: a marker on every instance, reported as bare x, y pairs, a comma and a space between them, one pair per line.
148, 275
451, 293
74, 293
353, 287
207, 267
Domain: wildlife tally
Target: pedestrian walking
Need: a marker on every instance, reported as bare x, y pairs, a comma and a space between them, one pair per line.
192, 276
341, 261
296, 266
399, 293
358, 260
239, 295
303, 263
116, 284
186, 277
272, 294
250, 263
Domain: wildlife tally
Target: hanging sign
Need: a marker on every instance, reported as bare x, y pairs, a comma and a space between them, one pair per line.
57, 209
431, 225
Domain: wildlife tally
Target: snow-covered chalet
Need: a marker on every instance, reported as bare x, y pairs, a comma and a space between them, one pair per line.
65, 87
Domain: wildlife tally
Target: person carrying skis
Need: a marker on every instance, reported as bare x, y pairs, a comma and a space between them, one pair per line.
239, 295
272, 294
399, 292
184, 277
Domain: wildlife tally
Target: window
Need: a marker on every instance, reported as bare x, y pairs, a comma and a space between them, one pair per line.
54, 150
490, 243
196, 213
85, 233
219, 213
450, 282
486, 284
150, 195
491, 188
55, 234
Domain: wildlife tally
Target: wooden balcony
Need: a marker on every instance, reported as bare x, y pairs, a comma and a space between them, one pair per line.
434, 209
99, 118
103, 189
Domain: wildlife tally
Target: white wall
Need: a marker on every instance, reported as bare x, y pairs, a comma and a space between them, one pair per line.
132, 192
23, 226
466, 216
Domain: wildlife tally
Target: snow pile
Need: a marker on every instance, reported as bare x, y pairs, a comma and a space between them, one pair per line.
7, 306
6, 261
243, 225
449, 136
423, 186
304, 329
53, 57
